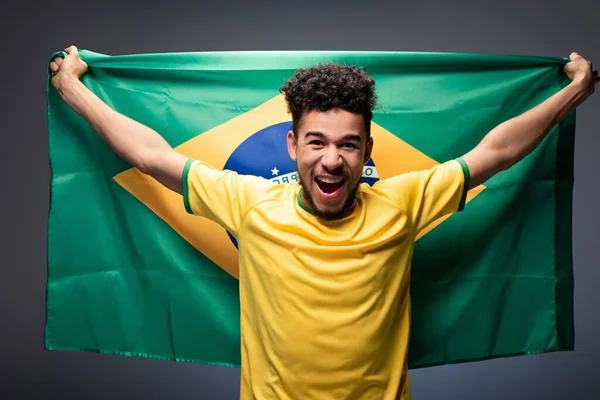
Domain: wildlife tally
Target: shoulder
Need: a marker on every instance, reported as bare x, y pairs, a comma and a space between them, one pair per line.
452, 169
276, 194
407, 186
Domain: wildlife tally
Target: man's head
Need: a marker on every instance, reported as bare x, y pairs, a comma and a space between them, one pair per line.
331, 107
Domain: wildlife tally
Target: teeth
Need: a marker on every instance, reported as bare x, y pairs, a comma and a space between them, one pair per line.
330, 180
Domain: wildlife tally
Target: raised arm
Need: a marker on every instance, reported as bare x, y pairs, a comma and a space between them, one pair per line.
141, 146
512, 140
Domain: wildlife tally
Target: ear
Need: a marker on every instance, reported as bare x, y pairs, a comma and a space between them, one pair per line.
368, 150
292, 145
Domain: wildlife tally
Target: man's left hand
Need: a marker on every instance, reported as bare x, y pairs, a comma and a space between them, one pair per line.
582, 72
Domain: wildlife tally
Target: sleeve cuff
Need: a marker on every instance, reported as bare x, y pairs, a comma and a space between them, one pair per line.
184, 186
467, 175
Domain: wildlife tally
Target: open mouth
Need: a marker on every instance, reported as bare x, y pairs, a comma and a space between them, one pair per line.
329, 185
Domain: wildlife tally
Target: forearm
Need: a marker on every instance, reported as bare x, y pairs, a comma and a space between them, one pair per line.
514, 139
511, 141
131, 140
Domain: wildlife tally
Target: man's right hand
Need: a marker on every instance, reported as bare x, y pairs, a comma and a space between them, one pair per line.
139, 145
68, 68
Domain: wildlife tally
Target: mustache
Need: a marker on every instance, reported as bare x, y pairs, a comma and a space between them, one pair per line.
335, 172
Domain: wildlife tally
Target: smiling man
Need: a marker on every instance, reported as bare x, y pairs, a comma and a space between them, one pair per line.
330, 160
332, 108
324, 265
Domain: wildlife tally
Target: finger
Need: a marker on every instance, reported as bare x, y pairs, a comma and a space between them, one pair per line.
53, 66
58, 61
574, 55
71, 49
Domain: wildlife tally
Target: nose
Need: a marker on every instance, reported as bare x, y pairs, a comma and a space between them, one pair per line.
332, 159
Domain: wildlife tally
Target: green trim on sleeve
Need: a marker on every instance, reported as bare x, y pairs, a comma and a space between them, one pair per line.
463, 198
184, 186
302, 206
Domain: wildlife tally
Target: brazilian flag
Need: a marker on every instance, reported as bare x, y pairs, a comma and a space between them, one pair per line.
130, 272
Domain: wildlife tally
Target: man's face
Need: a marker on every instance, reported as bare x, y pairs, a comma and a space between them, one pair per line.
330, 151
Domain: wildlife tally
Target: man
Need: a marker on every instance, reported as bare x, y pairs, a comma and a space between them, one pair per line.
324, 265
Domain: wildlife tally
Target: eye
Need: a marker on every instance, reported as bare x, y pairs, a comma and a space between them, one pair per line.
350, 146
315, 142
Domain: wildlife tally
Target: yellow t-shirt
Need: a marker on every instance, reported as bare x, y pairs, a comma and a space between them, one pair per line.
325, 306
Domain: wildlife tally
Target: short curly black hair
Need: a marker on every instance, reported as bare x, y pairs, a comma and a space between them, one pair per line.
324, 87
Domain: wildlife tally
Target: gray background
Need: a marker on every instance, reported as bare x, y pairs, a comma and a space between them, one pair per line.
31, 32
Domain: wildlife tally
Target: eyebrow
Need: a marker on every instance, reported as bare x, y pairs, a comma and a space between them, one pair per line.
350, 136
314, 133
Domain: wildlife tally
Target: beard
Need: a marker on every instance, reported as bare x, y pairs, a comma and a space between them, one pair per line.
330, 216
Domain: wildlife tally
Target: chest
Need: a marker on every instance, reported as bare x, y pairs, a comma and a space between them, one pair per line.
329, 266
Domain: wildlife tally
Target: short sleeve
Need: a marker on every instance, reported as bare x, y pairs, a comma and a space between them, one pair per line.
430, 194
221, 196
